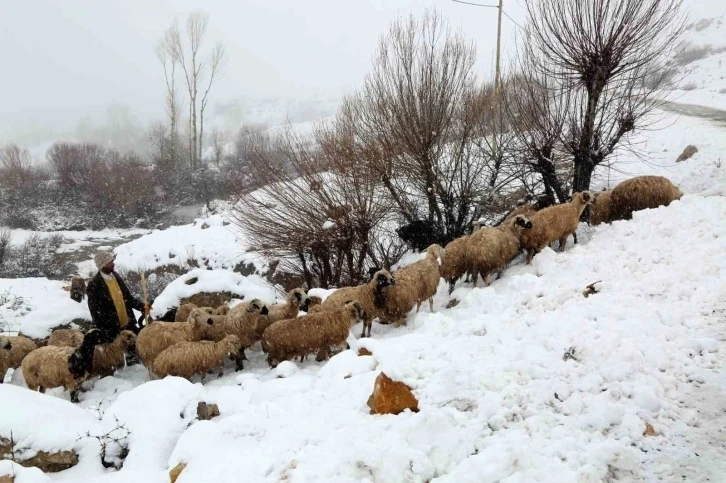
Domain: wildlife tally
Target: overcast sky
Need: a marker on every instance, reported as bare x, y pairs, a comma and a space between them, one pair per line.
63, 59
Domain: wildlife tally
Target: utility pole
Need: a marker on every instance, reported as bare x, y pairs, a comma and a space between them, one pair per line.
499, 43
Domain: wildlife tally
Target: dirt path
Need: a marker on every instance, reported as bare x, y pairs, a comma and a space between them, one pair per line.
694, 110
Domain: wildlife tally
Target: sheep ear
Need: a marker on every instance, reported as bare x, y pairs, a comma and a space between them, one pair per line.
586, 196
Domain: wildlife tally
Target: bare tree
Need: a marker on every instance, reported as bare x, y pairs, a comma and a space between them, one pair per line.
323, 224
172, 105
199, 73
608, 57
216, 139
416, 120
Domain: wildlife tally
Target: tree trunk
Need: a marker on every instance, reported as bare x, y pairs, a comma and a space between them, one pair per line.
583, 174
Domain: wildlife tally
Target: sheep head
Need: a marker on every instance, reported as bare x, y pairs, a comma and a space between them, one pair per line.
256, 305
298, 297
5, 343
79, 362
127, 339
232, 344
311, 302
355, 309
200, 317
522, 221
583, 198
382, 279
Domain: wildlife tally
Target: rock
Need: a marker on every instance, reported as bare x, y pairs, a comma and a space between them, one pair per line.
452, 303
176, 471
649, 430
391, 397
209, 299
687, 153
362, 351
192, 281
46, 462
207, 411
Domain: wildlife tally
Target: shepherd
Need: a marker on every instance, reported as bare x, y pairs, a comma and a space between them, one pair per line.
110, 300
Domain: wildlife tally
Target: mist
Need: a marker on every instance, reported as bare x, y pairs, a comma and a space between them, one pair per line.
87, 70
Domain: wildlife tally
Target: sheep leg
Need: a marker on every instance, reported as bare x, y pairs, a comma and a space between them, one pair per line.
370, 326
74, 395
431, 304
530, 255
574, 235
41, 390
563, 242
452, 284
418, 306
322, 355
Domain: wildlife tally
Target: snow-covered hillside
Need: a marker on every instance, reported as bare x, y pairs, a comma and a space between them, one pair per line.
526, 380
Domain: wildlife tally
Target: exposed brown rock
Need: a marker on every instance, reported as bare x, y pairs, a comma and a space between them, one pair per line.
176, 471
687, 153
47, 462
362, 351
207, 411
452, 303
649, 430
391, 397
209, 299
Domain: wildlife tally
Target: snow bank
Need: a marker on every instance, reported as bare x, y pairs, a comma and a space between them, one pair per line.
208, 242
40, 422
36, 305
22, 474
252, 286
156, 414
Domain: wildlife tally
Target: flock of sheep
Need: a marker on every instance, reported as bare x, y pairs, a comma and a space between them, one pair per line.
198, 340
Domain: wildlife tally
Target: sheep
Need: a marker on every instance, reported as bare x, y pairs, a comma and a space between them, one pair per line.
222, 310
371, 296
296, 299
13, 350
66, 338
490, 249
182, 313
414, 284
313, 305
319, 332
240, 321
419, 234
186, 359
640, 193
53, 366
453, 261
600, 208
158, 336
554, 223
107, 358
78, 288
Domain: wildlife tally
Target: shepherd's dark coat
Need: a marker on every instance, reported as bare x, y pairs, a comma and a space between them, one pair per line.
103, 311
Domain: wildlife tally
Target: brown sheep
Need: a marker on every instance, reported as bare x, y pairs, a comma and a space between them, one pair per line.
107, 358
490, 249
600, 208
296, 299
186, 359
640, 193
371, 296
240, 321
66, 338
314, 333
158, 336
13, 350
453, 261
182, 314
415, 283
68, 367
554, 223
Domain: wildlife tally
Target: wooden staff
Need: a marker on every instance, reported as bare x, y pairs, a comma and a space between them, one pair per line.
145, 290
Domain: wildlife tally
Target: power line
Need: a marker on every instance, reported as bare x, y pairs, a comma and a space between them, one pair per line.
475, 4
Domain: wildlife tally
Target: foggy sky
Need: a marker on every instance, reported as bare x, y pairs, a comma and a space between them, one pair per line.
63, 59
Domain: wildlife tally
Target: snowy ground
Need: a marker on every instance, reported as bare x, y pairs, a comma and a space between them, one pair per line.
499, 400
